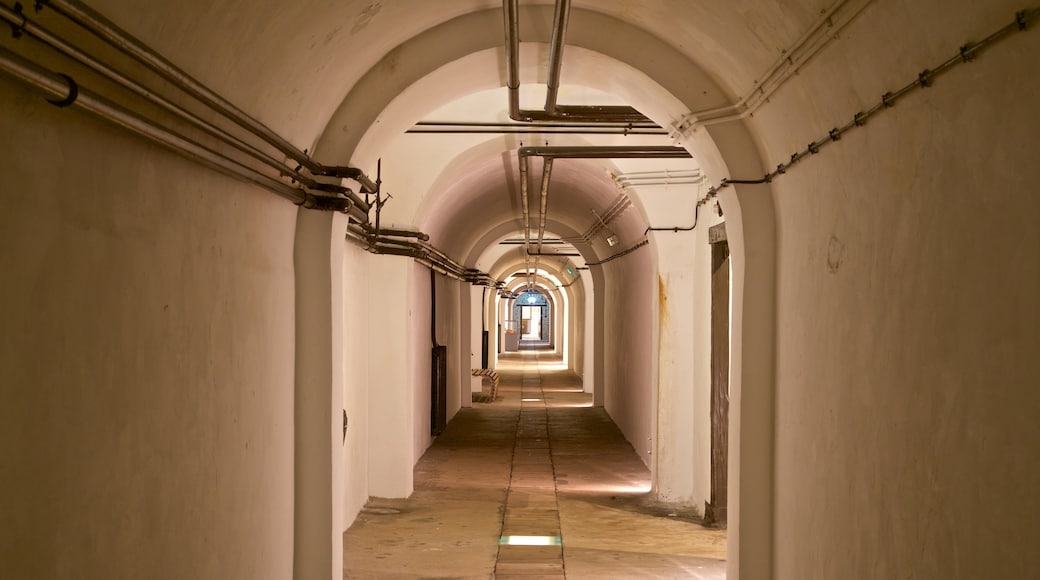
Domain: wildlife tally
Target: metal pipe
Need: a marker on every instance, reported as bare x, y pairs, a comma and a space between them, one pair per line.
512, 29
545, 124
582, 152
69, 93
677, 229
106, 30
619, 254
553, 112
614, 152
544, 205
660, 182
535, 131
561, 17
398, 232
525, 210
422, 252
45, 36
788, 65
660, 173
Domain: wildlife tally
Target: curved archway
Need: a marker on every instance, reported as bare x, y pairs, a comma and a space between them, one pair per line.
432, 61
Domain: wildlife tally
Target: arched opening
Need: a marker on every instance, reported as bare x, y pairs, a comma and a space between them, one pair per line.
478, 184
184, 344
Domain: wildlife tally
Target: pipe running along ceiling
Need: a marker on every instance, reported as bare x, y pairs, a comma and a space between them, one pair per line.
348, 49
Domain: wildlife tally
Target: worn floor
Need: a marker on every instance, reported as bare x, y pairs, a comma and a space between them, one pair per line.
538, 484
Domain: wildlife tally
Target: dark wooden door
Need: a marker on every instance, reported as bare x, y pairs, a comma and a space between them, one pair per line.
715, 511
439, 390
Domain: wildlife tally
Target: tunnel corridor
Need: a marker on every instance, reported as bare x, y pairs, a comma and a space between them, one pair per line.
536, 484
771, 263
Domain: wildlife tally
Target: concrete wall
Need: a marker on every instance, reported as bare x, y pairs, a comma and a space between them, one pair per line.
146, 369
907, 312
419, 357
357, 383
588, 329
629, 374
683, 463
390, 385
576, 326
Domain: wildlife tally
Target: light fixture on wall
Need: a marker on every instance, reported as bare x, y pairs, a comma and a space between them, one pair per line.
612, 240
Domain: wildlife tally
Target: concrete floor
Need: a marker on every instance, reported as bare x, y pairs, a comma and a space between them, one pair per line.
538, 462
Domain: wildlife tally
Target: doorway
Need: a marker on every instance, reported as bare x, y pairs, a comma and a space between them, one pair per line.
534, 313
531, 322
715, 510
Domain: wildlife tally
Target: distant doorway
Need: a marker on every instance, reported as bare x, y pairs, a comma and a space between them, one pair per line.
534, 313
531, 322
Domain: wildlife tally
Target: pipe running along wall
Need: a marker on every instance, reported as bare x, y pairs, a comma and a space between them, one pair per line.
394, 243
968, 52
107, 31
549, 154
98, 25
69, 93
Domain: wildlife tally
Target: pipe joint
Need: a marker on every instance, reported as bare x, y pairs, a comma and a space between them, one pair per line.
367, 185
326, 203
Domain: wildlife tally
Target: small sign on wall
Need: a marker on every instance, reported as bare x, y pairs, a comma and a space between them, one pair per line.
717, 233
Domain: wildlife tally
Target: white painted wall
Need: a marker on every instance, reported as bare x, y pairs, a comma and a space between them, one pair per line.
392, 376
588, 369
419, 342
683, 463
629, 328
450, 316
906, 264
357, 382
907, 309
147, 360
476, 317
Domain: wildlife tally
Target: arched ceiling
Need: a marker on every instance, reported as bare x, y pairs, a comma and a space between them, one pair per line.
347, 78
291, 64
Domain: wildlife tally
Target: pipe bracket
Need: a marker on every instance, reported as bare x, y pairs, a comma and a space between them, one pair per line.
17, 30
72, 96
968, 52
925, 78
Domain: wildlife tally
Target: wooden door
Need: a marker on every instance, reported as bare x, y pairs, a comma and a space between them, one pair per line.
715, 511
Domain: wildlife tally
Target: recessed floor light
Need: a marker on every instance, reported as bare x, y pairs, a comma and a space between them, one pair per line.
530, 541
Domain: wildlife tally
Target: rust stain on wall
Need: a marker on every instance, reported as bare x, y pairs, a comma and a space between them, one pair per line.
662, 299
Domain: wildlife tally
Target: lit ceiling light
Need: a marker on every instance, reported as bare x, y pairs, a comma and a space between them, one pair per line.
612, 240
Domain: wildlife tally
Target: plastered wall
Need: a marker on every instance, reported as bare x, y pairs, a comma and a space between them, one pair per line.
146, 365
357, 380
628, 380
907, 314
682, 467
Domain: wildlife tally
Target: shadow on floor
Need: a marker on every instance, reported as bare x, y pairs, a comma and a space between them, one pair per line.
609, 525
